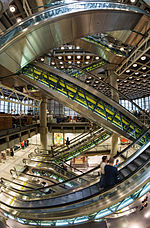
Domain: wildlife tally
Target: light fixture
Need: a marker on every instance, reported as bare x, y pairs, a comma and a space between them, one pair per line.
87, 62
62, 48
69, 62
118, 80
97, 57
144, 68
70, 47
59, 57
127, 71
138, 79
134, 65
18, 20
69, 66
94, 85
53, 63
78, 62
42, 59
77, 47
89, 77
12, 8
78, 56
61, 62
125, 81
55, 67
100, 78
136, 73
143, 57
69, 56
87, 57
96, 81
122, 49
144, 75
132, 1
130, 77
62, 66
88, 81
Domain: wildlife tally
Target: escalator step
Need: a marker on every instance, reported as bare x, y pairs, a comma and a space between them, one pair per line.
144, 157
138, 162
86, 192
147, 152
132, 167
125, 172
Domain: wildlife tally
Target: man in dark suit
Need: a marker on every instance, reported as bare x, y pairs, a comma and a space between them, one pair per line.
111, 174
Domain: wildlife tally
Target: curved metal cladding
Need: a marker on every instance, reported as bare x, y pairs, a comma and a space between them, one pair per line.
62, 24
101, 108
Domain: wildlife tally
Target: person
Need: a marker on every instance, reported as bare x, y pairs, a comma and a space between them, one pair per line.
22, 145
111, 174
102, 166
11, 152
117, 163
67, 142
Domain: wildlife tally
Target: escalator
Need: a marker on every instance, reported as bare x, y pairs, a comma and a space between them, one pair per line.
85, 201
85, 100
78, 148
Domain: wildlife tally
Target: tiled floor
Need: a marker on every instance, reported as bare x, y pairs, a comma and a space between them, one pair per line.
16, 161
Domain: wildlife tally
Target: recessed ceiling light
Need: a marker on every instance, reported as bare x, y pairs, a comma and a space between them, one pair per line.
12, 8
88, 81
94, 85
62, 48
125, 81
132, 82
132, 1
97, 57
96, 81
69, 56
61, 62
55, 67
87, 57
18, 20
70, 47
69, 66
69, 62
53, 63
138, 79
130, 77
59, 57
89, 77
78, 56
77, 47
134, 65
86, 62
127, 71
144, 68
100, 78
136, 73
122, 49
78, 62
143, 57
42, 59
144, 75
62, 66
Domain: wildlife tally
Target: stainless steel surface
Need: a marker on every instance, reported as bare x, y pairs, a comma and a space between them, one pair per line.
63, 24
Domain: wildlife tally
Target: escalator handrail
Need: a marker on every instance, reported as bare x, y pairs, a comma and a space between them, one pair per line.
128, 147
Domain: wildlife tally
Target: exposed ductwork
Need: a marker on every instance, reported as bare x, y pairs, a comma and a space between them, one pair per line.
4, 4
